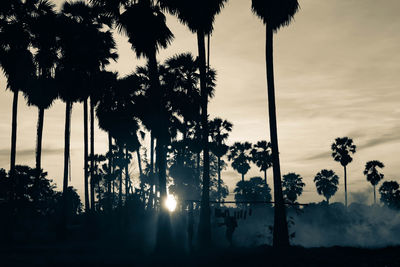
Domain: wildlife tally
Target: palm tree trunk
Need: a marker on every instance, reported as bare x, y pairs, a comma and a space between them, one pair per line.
39, 140
126, 175
374, 194
164, 237
110, 171
86, 151
204, 224
14, 132
219, 178
242, 177
139, 162
265, 177
92, 184
68, 107
280, 235
345, 186
151, 152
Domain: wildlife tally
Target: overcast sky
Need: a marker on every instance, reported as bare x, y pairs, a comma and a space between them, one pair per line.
337, 72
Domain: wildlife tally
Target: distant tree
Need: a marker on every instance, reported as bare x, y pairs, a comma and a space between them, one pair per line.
390, 194
252, 190
342, 149
275, 14
262, 157
292, 186
326, 182
372, 174
239, 154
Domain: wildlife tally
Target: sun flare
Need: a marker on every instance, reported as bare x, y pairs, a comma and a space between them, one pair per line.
170, 203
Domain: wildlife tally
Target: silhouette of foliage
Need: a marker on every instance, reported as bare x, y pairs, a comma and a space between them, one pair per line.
292, 186
252, 190
327, 183
390, 194
239, 154
372, 174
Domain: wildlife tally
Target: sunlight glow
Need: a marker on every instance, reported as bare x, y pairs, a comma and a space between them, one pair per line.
170, 203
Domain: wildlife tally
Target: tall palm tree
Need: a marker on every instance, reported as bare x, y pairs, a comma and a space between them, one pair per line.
147, 45
326, 182
342, 149
42, 91
16, 59
275, 14
373, 175
219, 132
239, 154
199, 16
261, 156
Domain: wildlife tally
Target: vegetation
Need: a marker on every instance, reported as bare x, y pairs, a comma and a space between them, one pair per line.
48, 54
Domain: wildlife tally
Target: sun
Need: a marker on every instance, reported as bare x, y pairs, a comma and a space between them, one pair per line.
170, 203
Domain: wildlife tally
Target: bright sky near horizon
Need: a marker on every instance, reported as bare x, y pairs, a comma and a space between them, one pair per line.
336, 72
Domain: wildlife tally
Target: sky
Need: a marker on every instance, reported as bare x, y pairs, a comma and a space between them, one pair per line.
336, 74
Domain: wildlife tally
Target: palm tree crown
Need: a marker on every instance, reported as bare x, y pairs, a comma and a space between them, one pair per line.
275, 13
326, 182
342, 149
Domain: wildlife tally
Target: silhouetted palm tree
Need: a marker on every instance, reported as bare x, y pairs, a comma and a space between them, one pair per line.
199, 16
219, 132
146, 41
252, 190
42, 91
372, 174
16, 59
275, 14
262, 157
292, 186
342, 149
239, 154
326, 182
390, 194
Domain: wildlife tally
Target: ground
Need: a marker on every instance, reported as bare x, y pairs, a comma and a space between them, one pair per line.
69, 254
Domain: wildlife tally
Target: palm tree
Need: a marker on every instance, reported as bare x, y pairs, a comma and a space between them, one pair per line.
240, 156
261, 156
199, 16
147, 45
275, 14
16, 59
326, 182
42, 92
292, 186
252, 190
219, 132
373, 175
342, 149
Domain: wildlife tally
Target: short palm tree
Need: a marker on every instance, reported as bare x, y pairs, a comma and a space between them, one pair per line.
372, 174
219, 132
262, 157
275, 14
292, 186
342, 150
239, 154
326, 182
